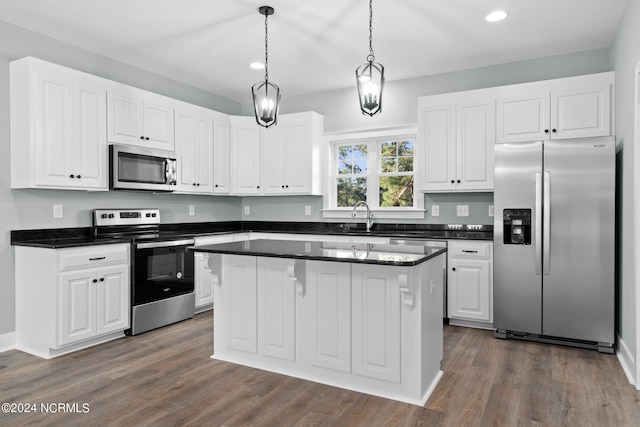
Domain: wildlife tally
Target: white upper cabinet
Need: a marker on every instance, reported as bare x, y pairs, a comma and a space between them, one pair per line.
558, 109
194, 146
58, 127
288, 163
245, 155
282, 159
138, 117
455, 145
221, 155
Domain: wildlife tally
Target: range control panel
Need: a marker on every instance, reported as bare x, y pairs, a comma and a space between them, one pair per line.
110, 217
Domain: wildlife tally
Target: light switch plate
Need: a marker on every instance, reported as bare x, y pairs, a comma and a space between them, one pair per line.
435, 210
462, 210
58, 211
307, 210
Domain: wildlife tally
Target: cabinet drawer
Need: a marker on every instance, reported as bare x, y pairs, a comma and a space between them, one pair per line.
95, 256
470, 250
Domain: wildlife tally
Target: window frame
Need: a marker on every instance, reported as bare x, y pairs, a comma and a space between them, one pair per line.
375, 139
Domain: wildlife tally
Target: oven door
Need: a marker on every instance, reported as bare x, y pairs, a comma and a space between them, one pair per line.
162, 270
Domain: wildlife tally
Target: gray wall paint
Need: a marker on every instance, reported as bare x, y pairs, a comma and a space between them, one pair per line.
288, 208
625, 51
341, 111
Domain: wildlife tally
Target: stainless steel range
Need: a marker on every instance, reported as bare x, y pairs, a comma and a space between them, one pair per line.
162, 274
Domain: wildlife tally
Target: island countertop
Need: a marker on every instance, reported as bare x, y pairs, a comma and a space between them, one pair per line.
364, 253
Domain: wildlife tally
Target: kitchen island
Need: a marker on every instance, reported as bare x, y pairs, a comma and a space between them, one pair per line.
364, 317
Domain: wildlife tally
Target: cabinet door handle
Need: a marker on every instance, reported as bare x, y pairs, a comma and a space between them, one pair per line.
453, 268
97, 258
469, 252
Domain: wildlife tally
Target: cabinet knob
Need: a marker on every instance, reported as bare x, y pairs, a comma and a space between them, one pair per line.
72, 176
102, 279
453, 182
95, 280
453, 268
193, 183
258, 187
287, 186
554, 131
142, 137
198, 184
546, 131
147, 138
283, 186
216, 185
458, 181
78, 177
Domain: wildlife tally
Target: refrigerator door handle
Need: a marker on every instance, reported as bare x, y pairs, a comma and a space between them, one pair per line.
546, 224
538, 224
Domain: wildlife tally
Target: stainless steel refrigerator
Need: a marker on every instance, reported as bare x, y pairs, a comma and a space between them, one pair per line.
554, 241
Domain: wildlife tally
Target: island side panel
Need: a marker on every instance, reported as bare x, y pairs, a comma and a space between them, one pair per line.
432, 294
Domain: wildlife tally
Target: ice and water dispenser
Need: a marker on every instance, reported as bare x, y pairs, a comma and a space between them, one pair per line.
517, 226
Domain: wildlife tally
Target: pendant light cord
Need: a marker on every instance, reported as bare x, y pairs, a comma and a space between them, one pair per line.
266, 50
371, 58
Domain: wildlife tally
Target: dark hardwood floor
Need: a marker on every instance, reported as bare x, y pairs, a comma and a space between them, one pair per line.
166, 378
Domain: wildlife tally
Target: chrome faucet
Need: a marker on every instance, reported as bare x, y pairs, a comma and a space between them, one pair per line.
369, 218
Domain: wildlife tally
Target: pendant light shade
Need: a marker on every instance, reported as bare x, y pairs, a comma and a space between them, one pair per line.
266, 95
370, 78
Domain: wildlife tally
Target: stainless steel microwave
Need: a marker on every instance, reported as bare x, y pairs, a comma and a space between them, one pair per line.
139, 168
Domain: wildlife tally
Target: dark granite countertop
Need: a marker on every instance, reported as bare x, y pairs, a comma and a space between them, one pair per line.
379, 254
57, 238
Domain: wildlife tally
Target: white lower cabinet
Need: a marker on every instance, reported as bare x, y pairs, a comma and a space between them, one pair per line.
325, 309
77, 297
376, 322
470, 282
276, 309
93, 302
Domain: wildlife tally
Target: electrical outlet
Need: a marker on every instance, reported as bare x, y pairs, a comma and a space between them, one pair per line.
192, 210
435, 210
462, 210
57, 211
307, 210
491, 210
247, 210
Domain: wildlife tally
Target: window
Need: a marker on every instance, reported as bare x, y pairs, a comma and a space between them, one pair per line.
379, 171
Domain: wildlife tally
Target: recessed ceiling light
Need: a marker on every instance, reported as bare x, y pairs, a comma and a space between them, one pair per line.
256, 65
496, 16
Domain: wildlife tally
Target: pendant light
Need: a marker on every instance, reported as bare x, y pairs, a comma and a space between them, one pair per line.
266, 95
370, 78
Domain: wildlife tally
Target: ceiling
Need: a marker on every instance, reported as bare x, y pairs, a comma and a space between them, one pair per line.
315, 45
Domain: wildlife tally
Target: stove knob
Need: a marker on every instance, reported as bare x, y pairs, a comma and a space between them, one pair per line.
153, 215
103, 215
111, 216
148, 215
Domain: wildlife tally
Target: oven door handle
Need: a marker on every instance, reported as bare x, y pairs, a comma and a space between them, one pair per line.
165, 244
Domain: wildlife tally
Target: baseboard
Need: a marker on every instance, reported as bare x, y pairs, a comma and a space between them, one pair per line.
626, 360
7, 341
